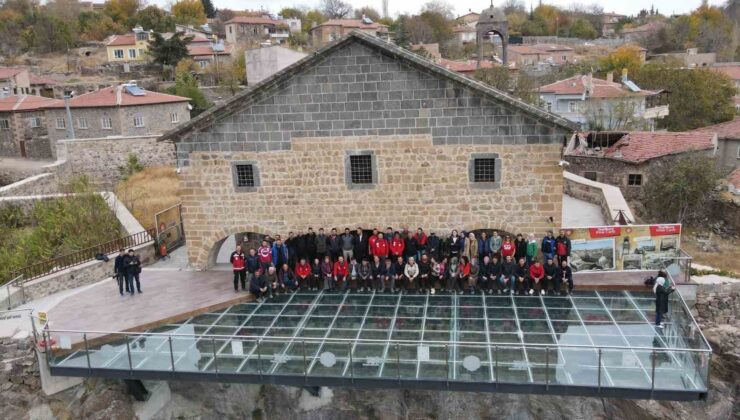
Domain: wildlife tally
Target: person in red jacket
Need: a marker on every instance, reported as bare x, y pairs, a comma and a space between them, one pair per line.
396, 246
421, 243
381, 247
536, 274
507, 248
371, 241
238, 260
264, 253
303, 272
341, 271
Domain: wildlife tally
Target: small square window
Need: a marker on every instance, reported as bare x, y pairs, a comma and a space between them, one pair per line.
361, 169
174, 118
244, 176
35, 122
484, 170
5, 124
61, 123
106, 123
593, 176
634, 179
82, 123
138, 121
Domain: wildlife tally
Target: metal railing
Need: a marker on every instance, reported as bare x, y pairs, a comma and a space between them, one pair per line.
680, 264
16, 283
63, 262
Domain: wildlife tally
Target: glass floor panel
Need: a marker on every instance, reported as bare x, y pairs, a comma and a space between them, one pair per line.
593, 339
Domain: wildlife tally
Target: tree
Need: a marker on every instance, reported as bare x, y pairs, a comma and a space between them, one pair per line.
697, 97
368, 12
168, 52
624, 57
496, 77
121, 10
50, 34
583, 29
189, 12
677, 191
209, 9
615, 114
186, 85
440, 7
513, 6
291, 13
313, 17
335, 9
96, 26
400, 35
234, 73
155, 19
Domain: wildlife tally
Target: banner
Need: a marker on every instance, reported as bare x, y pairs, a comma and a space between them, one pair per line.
631, 247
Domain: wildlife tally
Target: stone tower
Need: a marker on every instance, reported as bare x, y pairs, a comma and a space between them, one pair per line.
492, 21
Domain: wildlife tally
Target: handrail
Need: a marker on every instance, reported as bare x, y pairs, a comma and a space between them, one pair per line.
53, 265
686, 309
375, 341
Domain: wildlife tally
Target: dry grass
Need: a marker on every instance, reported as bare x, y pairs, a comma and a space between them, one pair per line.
727, 258
147, 192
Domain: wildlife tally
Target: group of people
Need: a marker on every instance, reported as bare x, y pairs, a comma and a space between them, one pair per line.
412, 262
127, 268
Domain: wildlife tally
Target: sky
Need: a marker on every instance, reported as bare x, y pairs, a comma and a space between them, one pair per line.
627, 7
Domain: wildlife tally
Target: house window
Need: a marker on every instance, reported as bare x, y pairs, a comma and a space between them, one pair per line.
634, 180
174, 118
61, 124
245, 175
142, 36
106, 123
230, 31
203, 64
593, 176
82, 123
141, 52
131, 53
573, 106
484, 170
118, 53
5, 124
549, 106
35, 122
138, 121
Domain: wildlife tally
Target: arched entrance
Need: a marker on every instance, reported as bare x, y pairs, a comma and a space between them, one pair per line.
492, 22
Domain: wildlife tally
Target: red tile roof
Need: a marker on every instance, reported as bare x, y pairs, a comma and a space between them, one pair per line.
42, 80
725, 130
468, 66
254, 20
601, 88
734, 178
538, 48
117, 40
22, 103
117, 96
733, 72
353, 23
641, 146
206, 50
648, 27
8, 72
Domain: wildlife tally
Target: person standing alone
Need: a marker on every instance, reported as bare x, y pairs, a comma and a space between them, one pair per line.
238, 264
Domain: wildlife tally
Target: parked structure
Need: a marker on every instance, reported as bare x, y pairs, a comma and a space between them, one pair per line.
370, 122
628, 160
23, 127
333, 29
128, 47
14, 81
522, 56
266, 61
123, 110
598, 104
728, 142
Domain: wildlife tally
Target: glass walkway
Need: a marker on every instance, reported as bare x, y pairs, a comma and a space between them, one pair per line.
590, 344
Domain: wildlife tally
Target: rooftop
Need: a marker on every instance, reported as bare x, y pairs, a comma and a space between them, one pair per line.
8, 72
119, 96
353, 23
538, 48
725, 130
42, 80
641, 146
195, 50
731, 71
601, 88
22, 103
125, 39
467, 66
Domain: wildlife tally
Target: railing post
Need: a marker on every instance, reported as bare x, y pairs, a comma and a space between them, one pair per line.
215, 354
447, 363
351, 363
259, 358
599, 372
305, 364
652, 376
87, 351
495, 355
128, 354
172, 355
547, 368
398, 362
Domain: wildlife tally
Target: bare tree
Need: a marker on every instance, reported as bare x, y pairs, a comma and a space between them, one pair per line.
614, 115
439, 6
335, 9
513, 6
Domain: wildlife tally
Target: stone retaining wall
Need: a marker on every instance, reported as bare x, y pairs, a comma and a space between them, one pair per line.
46, 183
608, 197
718, 304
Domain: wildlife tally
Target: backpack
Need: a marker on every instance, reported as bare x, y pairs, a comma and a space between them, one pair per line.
650, 281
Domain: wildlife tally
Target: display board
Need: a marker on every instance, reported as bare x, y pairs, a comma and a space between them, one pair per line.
631, 247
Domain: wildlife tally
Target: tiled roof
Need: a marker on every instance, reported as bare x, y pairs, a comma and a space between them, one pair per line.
725, 130
117, 96
8, 72
733, 72
468, 66
22, 103
117, 40
42, 80
254, 20
247, 97
734, 178
641, 146
353, 23
206, 50
652, 26
538, 48
601, 88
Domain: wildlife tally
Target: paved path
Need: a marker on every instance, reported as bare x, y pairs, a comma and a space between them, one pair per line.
581, 213
168, 295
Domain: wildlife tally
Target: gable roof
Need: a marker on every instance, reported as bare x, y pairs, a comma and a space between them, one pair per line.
118, 40
8, 72
725, 130
42, 80
253, 20
352, 23
20, 103
117, 96
206, 50
731, 71
247, 97
601, 88
641, 146
467, 66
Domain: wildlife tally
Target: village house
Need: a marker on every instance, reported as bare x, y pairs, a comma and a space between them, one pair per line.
250, 30
598, 104
609, 23
201, 31
533, 54
691, 58
464, 34
14, 81
204, 52
333, 29
728, 142
129, 47
469, 19
265, 61
23, 128
365, 133
42, 85
628, 160
432, 49
466, 67
639, 33
122, 110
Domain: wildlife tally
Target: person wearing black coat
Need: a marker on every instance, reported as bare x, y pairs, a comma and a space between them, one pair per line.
334, 245
301, 247
522, 276
433, 246
311, 245
661, 299
425, 273
566, 275
495, 270
456, 245
520, 247
552, 276
410, 246
132, 265
258, 286
484, 274
508, 275
120, 271
361, 245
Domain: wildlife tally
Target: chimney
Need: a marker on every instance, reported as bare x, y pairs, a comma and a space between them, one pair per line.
610, 77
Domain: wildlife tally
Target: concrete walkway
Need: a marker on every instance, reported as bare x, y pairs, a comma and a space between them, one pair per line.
578, 213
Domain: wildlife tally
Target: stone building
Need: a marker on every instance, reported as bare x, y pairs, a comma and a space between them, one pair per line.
728, 142
122, 110
533, 54
364, 133
333, 29
23, 127
252, 30
628, 160
14, 81
131, 47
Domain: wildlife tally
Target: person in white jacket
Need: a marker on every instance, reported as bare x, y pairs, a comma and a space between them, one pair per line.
411, 271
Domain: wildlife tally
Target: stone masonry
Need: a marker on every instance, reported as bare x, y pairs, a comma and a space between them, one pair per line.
422, 124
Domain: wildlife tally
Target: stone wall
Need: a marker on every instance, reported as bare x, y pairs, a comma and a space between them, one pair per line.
46, 183
418, 184
101, 158
608, 197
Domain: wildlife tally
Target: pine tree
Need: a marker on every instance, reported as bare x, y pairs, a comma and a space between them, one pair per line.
209, 8
401, 37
